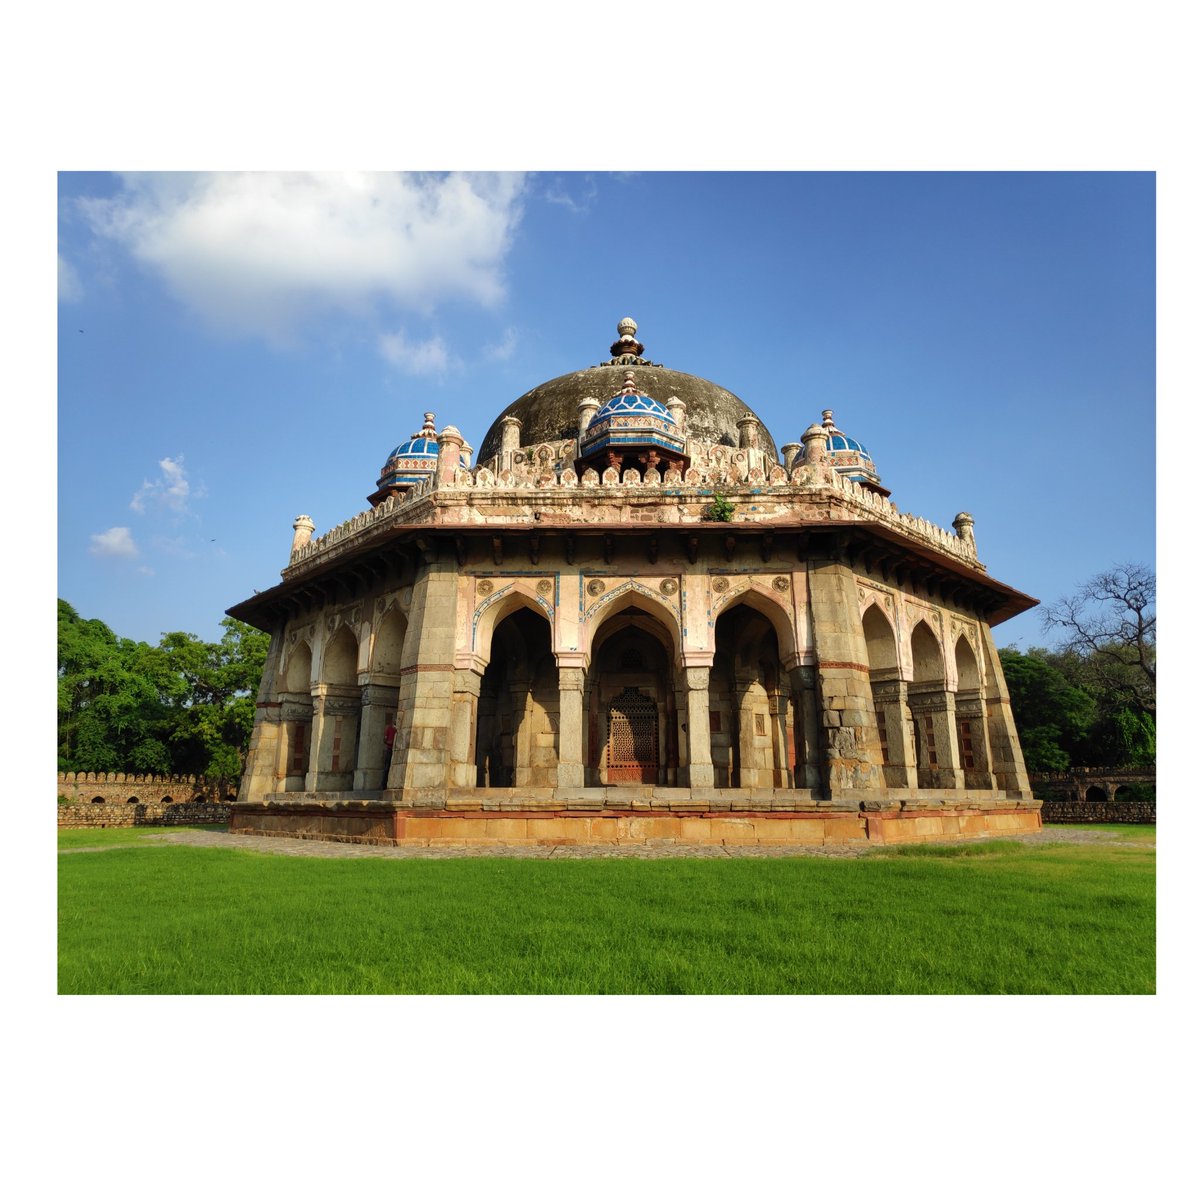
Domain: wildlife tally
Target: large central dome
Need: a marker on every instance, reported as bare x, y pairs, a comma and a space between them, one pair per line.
550, 411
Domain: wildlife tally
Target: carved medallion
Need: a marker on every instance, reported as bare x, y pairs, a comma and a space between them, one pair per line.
595, 587
668, 587
545, 587
484, 587
781, 583
720, 584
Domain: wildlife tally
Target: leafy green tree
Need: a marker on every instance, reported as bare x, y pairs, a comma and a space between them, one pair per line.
1053, 717
184, 706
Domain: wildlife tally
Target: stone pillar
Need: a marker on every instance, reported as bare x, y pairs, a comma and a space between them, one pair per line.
779, 741
1008, 763
371, 766
852, 767
510, 440
789, 453
464, 722
589, 406
449, 458
969, 712
700, 766
807, 725
420, 759
302, 531
891, 699
334, 735
570, 727
521, 693
933, 711
749, 759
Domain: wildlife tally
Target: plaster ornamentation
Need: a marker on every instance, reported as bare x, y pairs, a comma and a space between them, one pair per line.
781, 583
595, 587
484, 587
545, 587
668, 587
720, 584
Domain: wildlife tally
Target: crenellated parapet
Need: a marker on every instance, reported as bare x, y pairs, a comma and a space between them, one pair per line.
540, 477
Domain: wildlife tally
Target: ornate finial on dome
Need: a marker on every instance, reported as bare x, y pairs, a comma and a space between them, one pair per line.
629, 388
627, 344
827, 419
428, 430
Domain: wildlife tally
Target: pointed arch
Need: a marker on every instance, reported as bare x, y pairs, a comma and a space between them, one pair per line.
882, 651
966, 665
339, 661
496, 608
387, 646
297, 674
768, 605
632, 594
929, 666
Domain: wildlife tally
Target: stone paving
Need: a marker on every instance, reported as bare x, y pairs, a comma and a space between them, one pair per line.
311, 848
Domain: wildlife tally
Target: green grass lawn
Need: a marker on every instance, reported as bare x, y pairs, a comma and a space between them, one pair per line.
972, 918
117, 835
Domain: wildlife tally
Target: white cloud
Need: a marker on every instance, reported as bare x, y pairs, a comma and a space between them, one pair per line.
414, 358
557, 193
171, 490
69, 287
502, 350
116, 542
258, 252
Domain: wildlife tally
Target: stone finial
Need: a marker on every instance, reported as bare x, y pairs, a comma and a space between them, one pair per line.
467, 451
428, 430
814, 444
748, 431
678, 411
629, 388
964, 526
510, 434
588, 407
789, 452
303, 529
827, 420
627, 342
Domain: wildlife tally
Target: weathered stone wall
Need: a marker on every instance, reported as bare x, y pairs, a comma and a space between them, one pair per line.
1091, 812
117, 787
99, 816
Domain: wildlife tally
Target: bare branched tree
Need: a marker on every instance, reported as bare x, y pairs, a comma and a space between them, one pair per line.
1110, 622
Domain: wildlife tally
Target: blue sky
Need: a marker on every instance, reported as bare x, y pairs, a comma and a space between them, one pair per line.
236, 349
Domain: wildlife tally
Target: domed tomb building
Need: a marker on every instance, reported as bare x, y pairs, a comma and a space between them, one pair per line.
632, 619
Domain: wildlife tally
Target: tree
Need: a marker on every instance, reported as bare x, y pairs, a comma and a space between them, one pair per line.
1054, 718
1110, 625
184, 706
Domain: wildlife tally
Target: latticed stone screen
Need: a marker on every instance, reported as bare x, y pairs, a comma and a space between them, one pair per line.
632, 754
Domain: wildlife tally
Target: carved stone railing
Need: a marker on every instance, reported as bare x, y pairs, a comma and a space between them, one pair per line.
720, 469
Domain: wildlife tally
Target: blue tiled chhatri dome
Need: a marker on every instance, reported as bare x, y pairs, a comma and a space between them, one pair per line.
410, 462
629, 422
849, 457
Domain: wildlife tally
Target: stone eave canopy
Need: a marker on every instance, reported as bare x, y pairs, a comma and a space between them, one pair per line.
874, 546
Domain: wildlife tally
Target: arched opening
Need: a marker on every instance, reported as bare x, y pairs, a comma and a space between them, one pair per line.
98, 800
296, 715
1123, 794
336, 710
165, 800
133, 800
749, 709
516, 739
380, 702
889, 694
930, 705
970, 718
1095, 795
631, 703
